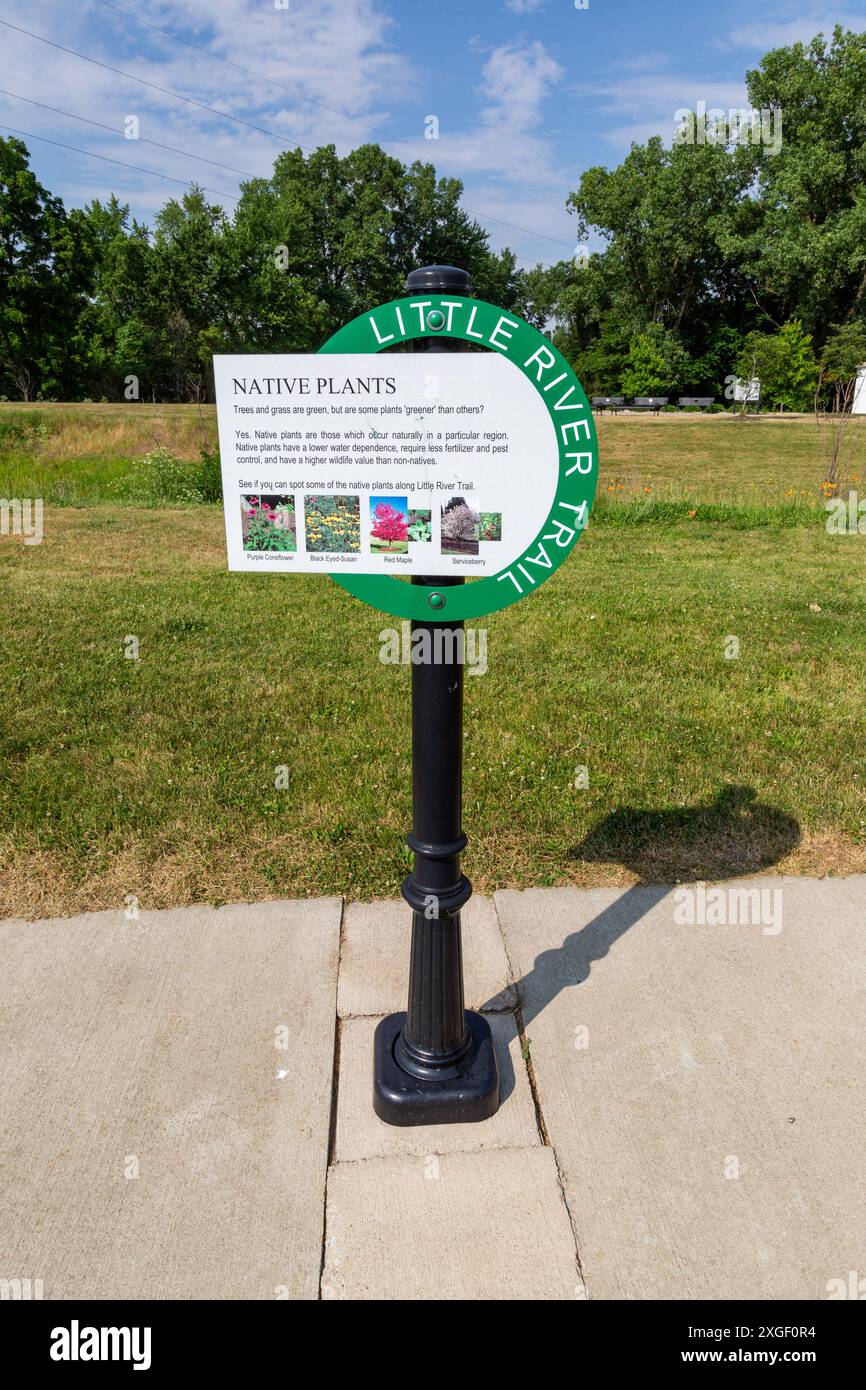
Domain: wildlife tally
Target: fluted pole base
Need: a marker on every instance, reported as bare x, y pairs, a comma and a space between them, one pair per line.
460, 1093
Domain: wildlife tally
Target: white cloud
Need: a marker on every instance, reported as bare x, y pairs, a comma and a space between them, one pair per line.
789, 24
343, 72
337, 52
505, 159
642, 102
516, 80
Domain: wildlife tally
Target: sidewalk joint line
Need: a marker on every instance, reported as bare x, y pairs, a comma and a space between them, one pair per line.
526, 1054
335, 1086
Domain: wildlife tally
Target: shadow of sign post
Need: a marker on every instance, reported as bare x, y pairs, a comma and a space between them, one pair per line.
731, 836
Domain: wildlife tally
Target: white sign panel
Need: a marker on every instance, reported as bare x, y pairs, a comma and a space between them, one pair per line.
747, 390
424, 463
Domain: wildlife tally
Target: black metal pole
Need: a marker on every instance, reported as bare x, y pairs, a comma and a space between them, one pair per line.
435, 1064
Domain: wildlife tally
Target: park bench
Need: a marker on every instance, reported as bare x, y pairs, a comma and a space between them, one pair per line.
603, 403
703, 402
653, 403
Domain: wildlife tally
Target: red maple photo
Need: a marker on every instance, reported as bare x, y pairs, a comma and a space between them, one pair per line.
389, 529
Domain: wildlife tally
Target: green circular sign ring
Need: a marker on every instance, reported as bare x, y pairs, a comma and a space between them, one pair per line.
476, 321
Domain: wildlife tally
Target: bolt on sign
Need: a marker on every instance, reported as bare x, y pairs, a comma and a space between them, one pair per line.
373, 465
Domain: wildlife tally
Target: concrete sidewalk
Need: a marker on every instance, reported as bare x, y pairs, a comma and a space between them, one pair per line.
185, 1101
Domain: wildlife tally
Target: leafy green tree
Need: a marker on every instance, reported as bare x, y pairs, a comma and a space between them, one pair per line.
589, 319
807, 248
657, 364
538, 293
844, 351
785, 364
711, 373
123, 317
660, 212
433, 229
190, 282
602, 364
46, 261
325, 237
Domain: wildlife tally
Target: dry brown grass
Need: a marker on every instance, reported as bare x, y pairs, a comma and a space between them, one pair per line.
122, 431
720, 457
37, 884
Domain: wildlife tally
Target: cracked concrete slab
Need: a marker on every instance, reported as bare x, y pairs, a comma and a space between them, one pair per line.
163, 1137
374, 963
474, 1226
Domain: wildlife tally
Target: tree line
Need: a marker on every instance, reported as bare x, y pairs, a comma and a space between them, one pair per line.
716, 257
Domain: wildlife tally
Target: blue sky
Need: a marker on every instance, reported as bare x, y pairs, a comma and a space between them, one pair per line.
527, 93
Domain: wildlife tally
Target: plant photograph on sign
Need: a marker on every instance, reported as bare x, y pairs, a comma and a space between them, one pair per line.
268, 522
420, 525
332, 524
389, 525
459, 528
490, 526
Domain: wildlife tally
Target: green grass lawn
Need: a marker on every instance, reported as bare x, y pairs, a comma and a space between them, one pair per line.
155, 776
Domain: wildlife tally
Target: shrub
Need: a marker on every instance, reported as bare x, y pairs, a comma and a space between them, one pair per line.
785, 364
23, 430
11, 432
159, 477
658, 364
208, 474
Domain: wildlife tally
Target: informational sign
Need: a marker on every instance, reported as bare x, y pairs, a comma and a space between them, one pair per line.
373, 466
368, 464
747, 390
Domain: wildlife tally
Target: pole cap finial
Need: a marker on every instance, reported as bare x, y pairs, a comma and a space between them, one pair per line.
439, 279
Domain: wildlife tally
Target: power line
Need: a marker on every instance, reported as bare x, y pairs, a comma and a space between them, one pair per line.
290, 91
238, 120
178, 96
317, 101
141, 139
188, 183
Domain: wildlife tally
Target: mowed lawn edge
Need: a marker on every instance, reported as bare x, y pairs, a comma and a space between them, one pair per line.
258, 747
